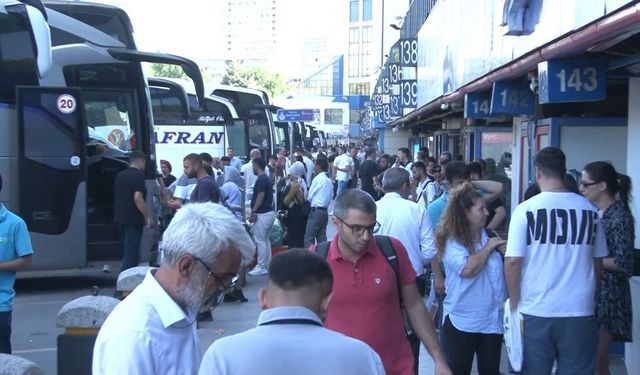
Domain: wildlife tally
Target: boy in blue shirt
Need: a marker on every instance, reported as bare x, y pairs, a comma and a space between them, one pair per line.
15, 254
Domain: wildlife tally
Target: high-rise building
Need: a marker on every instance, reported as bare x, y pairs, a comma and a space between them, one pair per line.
257, 32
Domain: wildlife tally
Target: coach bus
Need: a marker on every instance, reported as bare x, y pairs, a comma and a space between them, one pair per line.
210, 127
69, 132
254, 109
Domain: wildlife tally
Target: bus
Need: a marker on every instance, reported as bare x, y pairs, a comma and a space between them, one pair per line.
254, 109
69, 132
211, 127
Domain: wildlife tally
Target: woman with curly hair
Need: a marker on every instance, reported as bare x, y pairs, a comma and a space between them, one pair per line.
295, 197
609, 191
475, 284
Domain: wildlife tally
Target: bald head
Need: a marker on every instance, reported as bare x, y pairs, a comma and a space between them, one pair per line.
255, 153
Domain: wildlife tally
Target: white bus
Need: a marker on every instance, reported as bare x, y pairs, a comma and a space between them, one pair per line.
210, 127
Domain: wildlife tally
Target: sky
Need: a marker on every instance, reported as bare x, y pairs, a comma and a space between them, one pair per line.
185, 28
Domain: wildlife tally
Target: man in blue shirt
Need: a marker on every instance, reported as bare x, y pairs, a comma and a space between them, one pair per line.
15, 255
262, 216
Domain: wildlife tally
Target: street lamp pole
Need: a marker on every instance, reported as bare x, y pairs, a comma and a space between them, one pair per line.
382, 36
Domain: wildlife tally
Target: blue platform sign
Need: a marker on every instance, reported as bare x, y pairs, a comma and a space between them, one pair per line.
512, 99
478, 105
295, 115
575, 80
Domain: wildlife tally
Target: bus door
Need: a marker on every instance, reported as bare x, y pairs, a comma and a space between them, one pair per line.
53, 174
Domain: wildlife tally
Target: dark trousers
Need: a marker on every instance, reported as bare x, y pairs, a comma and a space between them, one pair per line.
316, 230
130, 236
465, 345
5, 332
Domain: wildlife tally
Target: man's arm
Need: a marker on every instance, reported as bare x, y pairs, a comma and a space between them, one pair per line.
256, 206
512, 275
17, 264
427, 241
423, 326
492, 189
139, 201
498, 218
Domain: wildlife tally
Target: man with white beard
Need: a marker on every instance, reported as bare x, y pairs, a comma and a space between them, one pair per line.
153, 330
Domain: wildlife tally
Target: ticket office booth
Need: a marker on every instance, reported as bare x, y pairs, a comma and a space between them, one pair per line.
488, 143
583, 140
448, 140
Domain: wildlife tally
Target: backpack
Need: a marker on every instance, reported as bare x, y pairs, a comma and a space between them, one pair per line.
389, 253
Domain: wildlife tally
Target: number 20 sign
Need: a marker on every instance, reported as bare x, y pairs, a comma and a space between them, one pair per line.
574, 80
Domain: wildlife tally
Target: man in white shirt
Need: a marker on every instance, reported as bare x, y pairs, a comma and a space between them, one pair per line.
153, 330
248, 175
320, 194
343, 165
552, 267
404, 159
407, 221
290, 338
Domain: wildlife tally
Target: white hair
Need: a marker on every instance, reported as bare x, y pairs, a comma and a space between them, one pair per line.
204, 230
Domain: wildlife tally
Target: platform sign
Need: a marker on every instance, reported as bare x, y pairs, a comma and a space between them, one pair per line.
478, 105
575, 80
512, 99
295, 115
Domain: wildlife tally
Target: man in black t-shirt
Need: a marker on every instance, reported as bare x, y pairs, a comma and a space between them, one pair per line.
130, 213
368, 170
206, 190
262, 216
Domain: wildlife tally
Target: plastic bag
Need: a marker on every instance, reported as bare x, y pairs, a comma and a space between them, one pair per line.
277, 234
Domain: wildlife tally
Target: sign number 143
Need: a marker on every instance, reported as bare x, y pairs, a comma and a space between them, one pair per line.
578, 79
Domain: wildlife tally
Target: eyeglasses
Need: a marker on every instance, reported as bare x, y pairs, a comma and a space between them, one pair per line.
221, 282
358, 230
587, 184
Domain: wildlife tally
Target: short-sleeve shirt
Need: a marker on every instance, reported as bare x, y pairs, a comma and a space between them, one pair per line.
368, 170
436, 209
342, 162
558, 234
365, 304
14, 243
263, 185
206, 191
128, 182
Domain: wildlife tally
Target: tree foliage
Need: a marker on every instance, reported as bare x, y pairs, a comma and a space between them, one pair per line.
256, 78
167, 71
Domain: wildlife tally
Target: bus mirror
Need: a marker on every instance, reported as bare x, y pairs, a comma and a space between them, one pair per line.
35, 17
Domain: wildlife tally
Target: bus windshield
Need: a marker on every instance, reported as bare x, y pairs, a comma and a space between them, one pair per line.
17, 60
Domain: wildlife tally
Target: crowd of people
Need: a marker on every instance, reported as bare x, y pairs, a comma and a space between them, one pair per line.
406, 228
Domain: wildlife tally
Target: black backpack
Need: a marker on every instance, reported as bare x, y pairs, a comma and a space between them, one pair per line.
386, 248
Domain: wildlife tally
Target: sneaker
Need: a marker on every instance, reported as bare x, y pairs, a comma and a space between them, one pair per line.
257, 271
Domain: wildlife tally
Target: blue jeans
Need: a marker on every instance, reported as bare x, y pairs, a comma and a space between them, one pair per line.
131, 236
571, 341
5, 332
342, 186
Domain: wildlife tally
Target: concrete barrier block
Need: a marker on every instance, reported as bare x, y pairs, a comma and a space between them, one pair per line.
129, 279
86, 312
632, 349
14, 365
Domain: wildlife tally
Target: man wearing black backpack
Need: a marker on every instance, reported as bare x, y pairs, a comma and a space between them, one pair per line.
374, 282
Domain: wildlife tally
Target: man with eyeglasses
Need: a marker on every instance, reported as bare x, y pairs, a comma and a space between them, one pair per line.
294, 304
366, 301
153, 330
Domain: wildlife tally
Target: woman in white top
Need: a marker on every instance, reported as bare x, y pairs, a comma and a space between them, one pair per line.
475, 284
